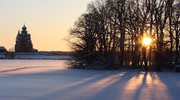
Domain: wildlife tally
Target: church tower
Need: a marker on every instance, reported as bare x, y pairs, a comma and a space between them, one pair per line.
23, 41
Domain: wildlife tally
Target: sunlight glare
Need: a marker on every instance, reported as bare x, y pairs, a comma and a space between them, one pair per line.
146, 41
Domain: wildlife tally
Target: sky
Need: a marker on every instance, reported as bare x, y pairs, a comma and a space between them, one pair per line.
48, 21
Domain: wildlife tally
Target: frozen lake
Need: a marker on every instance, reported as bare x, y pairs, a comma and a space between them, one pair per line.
30, 66
50, 80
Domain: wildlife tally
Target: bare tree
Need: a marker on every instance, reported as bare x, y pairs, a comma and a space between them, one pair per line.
111, 33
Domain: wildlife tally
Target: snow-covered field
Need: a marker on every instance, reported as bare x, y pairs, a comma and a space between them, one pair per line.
35, 56
41, 56
50, 80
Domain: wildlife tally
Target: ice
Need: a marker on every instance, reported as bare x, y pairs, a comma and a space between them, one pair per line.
30, 66
36, 56
56, 82
41, 56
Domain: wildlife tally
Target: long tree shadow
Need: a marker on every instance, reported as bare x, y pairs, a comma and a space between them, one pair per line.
107, 85
22, 68
138, 86
117, 88
90, 88
17, 69
139, 90
171, 81
151, 87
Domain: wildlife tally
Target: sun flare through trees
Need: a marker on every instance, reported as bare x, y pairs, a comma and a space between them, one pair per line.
110, 34
146, 41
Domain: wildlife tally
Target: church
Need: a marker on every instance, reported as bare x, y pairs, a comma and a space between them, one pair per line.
23, 42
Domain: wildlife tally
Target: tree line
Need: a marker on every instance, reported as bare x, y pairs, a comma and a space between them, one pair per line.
110, 34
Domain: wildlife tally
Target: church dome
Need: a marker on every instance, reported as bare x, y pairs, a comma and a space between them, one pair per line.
24, 27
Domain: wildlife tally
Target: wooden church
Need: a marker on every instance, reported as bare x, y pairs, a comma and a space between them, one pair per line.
23, 42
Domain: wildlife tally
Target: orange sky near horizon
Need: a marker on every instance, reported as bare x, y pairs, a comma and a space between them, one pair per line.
48, 21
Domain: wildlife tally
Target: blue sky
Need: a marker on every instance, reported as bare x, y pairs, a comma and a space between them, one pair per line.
48, 21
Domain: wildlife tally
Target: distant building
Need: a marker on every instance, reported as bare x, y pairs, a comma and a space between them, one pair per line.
23, 42
2, 49
3, 52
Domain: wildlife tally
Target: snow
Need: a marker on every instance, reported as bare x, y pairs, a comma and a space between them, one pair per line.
51, 80
41, 56
37, 56
2, 56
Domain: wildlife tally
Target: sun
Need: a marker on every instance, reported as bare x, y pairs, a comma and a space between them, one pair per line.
146, 41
